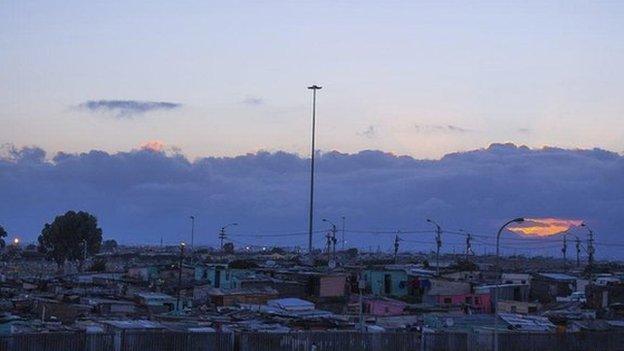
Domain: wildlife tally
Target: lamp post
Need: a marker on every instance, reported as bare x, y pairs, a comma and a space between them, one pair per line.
314, 88
438, 244
192, 218
498, 281
344, 219
222, 235
182, 245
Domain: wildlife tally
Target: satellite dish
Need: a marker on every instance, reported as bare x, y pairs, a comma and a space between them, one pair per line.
332, 264
449, 322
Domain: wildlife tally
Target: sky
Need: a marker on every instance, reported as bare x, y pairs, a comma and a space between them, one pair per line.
146, 112
414, 78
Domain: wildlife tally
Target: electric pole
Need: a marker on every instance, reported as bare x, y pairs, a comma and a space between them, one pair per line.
192, 232
438, 244
343, 232
468, 243
178, 307
396, 247
564, 250
314, 88
222, 235
590, 251
578, 252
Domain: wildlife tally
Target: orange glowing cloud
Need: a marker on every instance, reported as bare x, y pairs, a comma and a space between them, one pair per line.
153, 145
544, 226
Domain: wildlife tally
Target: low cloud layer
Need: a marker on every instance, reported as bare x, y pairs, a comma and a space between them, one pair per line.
146, 194
127, 108
440, 128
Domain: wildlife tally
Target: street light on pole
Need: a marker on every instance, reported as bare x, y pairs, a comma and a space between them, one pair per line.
314, 88
192, 233
222, 235
438, 244
182, 245
500, 231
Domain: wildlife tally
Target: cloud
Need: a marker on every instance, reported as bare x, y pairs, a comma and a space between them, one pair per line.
141, 195
127, 108
253, 101
370, 132
440, 128
153, 145
544, 226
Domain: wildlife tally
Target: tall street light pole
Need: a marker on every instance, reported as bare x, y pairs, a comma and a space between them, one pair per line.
343, 231
178, 307
314, 88
192, 233
498, 280
438, 244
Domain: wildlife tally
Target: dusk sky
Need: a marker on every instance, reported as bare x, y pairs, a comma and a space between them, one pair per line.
137, 111
415, 78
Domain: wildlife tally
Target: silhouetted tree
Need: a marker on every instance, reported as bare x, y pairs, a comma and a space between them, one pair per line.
109, 245
68, 236
3, 234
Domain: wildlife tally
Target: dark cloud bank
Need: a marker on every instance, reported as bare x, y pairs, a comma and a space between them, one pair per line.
127, 108
142, 195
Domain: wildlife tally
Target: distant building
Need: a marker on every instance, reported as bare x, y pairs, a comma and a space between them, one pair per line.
546, 287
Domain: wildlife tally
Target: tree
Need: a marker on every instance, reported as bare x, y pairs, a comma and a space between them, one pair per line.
68, 236
109, 245
3, 234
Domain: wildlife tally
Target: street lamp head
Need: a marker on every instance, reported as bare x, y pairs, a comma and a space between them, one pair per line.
325, 220
16, 241
518, 220
183, 244
315, 87
583, 224
429, 220
192, 217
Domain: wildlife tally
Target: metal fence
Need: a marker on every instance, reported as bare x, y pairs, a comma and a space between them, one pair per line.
581, 341
328, 341
309, 341
64, 341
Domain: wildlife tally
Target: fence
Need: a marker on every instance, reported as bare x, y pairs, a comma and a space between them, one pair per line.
581, 341
309, 341
326, 341
64, 341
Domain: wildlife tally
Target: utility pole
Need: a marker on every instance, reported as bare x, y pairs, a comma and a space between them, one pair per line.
590, 251
578, 252
192, 233
468, 245
343, 232
396, 247
361, 302
178, 307
314, 88
222, 235
438, 244
564, 249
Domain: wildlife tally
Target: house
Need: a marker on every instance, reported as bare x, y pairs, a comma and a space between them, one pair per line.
291, 304
605, 296
383, 306
110, 306
516, 278
458, 294
156, 302
145, 273
504, 292
546, 287
229, 297
519, 307
386, 282
464, 276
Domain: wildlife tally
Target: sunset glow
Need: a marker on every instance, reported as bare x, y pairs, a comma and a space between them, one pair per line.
153, 145
544, 226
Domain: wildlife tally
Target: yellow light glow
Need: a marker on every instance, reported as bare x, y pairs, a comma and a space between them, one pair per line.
544, 226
